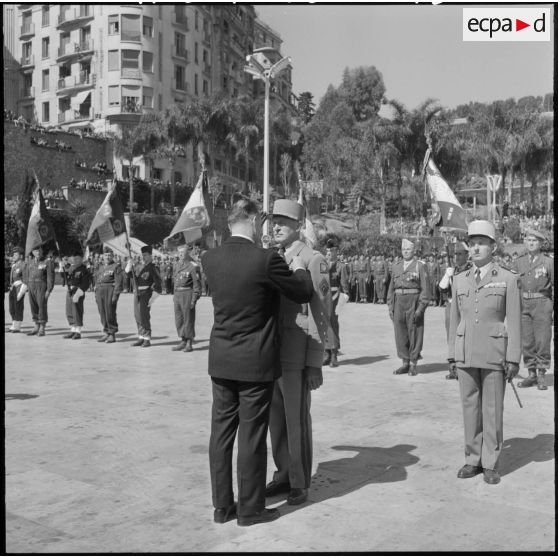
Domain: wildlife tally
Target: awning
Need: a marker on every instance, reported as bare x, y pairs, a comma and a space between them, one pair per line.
80, 98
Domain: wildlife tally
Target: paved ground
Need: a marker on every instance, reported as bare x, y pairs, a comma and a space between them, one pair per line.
106, 449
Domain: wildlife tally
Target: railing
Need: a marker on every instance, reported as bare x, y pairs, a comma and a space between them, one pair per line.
67, 16
130, 73
28, 60
75, 48
74, 114
27, 92
27, 29
131, 105
75, 81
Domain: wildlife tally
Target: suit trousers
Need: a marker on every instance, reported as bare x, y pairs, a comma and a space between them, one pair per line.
142, 313
38, 302
536, 332
16, 306
408, 335
290, 427
107, 308
243, 407
74, 310
184, 316
482, 399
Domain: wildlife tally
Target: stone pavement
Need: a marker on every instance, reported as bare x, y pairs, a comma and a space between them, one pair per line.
106, 449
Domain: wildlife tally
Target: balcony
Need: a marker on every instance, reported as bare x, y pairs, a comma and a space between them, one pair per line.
130, 73
81, 81
27, 30
180, 19
73, 115
83, 49
28, 92
75, 16
180, 52
27, 61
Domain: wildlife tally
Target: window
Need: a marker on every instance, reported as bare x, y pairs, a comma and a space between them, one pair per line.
196, 92
130, 59
205, 87
64, 104
45, 80
204, 56
179, 42
147, 65
196, 20
46, 16
157, 174
113, 25
196, 53
113, 60
45, 47
160, 101
26, 50
113, 95
147, 26
64, 43
46, 112
147, 98
179, 77
130, 27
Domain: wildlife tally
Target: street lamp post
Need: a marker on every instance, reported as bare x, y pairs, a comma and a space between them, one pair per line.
260, 67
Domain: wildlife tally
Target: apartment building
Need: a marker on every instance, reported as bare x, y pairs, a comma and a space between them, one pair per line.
100, 66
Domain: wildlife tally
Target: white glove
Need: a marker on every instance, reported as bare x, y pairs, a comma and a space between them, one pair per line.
444, 282
77, 295
154, 295
128, 267
18, 283
22, 290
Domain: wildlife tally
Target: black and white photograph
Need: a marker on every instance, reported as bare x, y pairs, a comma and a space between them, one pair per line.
319, 240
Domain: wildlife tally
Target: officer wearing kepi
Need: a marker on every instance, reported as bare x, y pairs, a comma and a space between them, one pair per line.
485, 348
109, 282
147, 287
187, 290
78, 280
536, 273
408, 297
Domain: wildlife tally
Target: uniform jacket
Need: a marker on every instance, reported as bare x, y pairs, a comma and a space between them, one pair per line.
414, 277
433, 271
338, 277
16, 273
168, 270
186, 276
246, 284
362, 269
485, 319
305, 328
536, 276
78, 278
110, 274
381, 270
146, 275
40, 270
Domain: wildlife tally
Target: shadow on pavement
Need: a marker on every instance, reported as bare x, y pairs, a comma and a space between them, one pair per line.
345, 475
435, 367
363, 360
20, 396
518, 452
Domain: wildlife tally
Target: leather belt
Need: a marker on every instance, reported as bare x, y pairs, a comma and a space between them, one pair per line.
407, 291
534, 295
144, 287
182, 289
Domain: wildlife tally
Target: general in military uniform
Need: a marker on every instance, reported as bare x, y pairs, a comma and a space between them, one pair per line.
408, 297
147, 287
17, 289
78, 280
485, 348
187, 290
109, 282
304, 329
39, 278
536, 273
339, 283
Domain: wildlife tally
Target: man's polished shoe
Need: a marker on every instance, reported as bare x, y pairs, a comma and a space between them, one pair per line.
469, 471
146, 343
34, 331
180, 347
138, 343
69, 335
297, 496
111, 338
402, 370
276, 487
413, 369
103, 339
222, 515
261, 517
491, 476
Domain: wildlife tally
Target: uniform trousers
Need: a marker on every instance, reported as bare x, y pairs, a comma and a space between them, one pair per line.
243, 407
447, 312
482, 399
408, 335
362, 292
380, 289
290, 428
168, 285
142, 313
334, 320
184, 316
74, 310
107, 308
38, 302
536, 332
16, 306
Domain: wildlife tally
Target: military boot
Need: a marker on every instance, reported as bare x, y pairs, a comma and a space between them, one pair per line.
412, 369
41, 332
531, 380
541, 382
402, 369
35, 330
334, 362
327, 357
188, 348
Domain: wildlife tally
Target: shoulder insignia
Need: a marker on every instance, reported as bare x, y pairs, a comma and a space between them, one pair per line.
323, 267
324, 286
494, 272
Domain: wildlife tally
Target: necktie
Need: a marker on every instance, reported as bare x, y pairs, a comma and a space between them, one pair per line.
477, 276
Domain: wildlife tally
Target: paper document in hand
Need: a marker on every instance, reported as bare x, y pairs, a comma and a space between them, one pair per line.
343, 299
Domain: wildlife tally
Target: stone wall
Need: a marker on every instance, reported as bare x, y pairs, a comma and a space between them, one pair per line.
54, 168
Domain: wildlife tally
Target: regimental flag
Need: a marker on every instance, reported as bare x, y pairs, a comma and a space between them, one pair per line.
194, 216
108, 222
39, 229
450, 213
309, 234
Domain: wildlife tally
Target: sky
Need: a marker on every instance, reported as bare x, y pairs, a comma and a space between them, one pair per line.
418, 49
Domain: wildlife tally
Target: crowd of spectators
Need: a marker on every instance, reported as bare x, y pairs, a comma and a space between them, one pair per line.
99, 185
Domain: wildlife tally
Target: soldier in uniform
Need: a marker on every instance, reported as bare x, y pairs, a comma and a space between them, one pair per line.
433, 278
304, 329
485, 349
168, 275
78, 280
536, 273
108, 286
147, 287
39, 278
408, 297
17, 289
187, 290
339, 283
380, 279
363, 275
445, 285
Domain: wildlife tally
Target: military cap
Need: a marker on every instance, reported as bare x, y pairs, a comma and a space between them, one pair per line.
406, 243
482, 228
288, 208
534, 232
108, 250
146, 249
19, 250
332, 243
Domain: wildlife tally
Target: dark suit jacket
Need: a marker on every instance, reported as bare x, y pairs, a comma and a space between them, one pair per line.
245, 282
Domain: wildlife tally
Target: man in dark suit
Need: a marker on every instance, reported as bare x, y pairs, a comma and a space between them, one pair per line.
245, 282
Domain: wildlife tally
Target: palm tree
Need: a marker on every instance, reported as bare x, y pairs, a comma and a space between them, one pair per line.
80, 219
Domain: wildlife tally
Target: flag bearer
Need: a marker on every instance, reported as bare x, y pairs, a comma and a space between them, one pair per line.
39, 278
108, 286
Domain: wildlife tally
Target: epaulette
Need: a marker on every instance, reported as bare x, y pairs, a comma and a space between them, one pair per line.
507, 269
